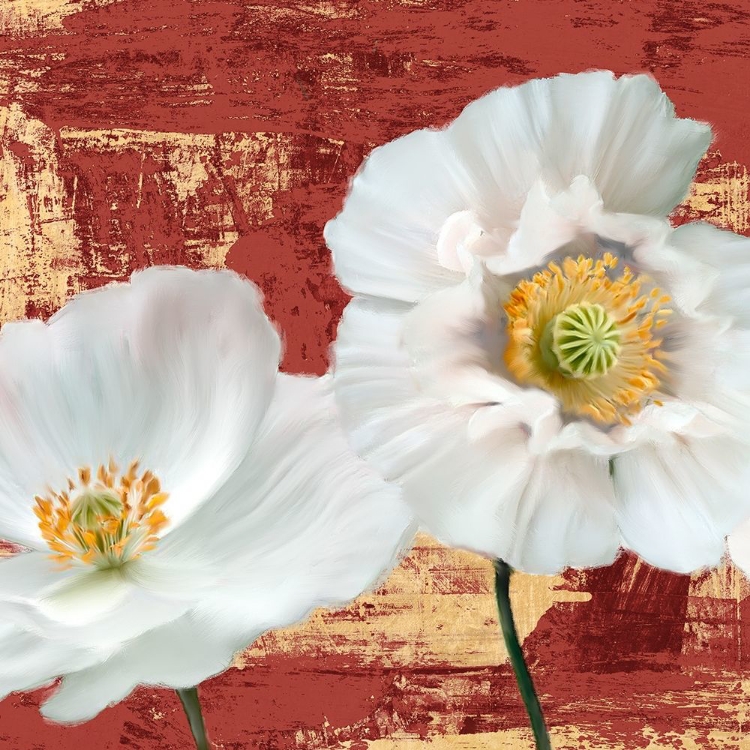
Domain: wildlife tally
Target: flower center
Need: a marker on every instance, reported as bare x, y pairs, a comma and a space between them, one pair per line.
103, 520
582, 341
587, 337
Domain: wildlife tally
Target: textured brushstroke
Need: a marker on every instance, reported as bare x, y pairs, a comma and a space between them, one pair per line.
224, 132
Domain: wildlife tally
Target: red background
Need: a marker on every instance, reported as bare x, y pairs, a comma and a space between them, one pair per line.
326, 82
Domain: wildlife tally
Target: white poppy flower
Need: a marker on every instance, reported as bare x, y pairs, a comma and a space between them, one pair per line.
176, 494
547, 368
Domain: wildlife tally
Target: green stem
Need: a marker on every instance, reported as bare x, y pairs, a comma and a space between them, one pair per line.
192, 706
523, 678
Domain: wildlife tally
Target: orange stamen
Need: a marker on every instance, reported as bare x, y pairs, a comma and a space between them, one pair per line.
632, 382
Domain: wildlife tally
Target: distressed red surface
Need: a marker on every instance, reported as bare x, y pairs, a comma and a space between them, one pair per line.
335, 79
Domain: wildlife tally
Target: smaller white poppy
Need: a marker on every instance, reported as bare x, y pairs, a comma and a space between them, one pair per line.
177, 495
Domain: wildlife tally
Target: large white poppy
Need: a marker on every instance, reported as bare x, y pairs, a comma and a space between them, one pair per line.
177, 495
547, 368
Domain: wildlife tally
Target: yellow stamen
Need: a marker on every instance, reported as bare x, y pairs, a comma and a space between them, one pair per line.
94, 522
587, 337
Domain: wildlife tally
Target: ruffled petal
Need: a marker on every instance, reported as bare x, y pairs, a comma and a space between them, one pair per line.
679, 497
572, 222
538, 513
175, 369
455, 339
425, 202
547, 223
620, 132
566, 517
720, 265
384, 242
707, 343
384, 409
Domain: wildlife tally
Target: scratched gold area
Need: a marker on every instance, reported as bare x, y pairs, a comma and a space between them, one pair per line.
564, 738
38, 246
184, 168
721, 196
39, 241
437, 608
22, 17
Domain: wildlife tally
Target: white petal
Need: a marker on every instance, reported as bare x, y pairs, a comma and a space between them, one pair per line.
408, 434
396, 238
688, 280
73, 596
82, 606
492, 496
707, 274
722, 260
621, 133
460, 232
179, 655
303, 522
18, 344
384, 242
651, 424
31, 661
566, 516
385, 411
539, 514
548, 222
456, 338
89, 596
175, 369
738, 543
677, 499
28, 576
391, 395
565, 223
732, 357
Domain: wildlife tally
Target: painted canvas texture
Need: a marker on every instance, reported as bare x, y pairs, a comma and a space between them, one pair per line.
224, 134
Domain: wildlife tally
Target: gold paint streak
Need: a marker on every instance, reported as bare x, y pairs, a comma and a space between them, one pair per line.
437, 607
185, 167
260, 166
24, 17
563, 738
722, 197
38, 245
713, 608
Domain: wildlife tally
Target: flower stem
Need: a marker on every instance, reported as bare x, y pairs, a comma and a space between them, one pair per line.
191, 704
523, 678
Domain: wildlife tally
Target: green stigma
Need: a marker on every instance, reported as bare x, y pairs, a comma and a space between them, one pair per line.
581, 342
89, 508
